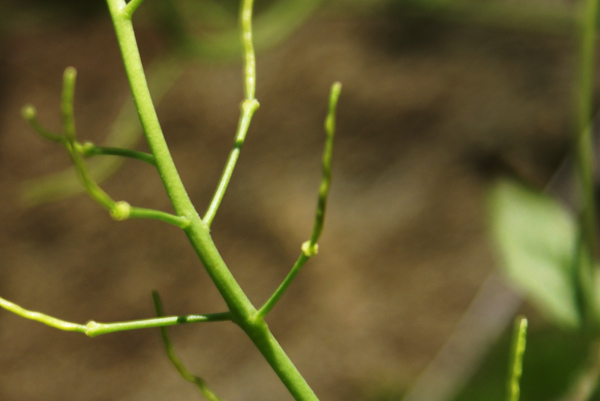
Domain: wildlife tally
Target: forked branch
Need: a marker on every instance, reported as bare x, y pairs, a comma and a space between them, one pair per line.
118, 210
177, 363
310, 247
93, 329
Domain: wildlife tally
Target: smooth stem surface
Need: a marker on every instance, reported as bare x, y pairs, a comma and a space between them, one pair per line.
248, 108
93, 329
310, 247
131, 7
516, 365
118, 210
586, 252
177, 363
242, 310
88, 149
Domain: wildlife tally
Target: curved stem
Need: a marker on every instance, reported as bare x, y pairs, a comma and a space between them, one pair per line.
310, 247
177, 363
242, 311
93, 329
584, 159
249, 106
88, 149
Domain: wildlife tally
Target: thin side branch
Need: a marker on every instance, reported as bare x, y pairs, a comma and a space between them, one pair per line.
29, 113
88, 149
310, 247
130, 8
93, 329
248, 108
516, 366
584, 163
177, 363
118, 210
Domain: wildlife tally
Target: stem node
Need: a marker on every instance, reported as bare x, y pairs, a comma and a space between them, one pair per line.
120, 211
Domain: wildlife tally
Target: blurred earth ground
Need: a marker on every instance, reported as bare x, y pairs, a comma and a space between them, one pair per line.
431, 111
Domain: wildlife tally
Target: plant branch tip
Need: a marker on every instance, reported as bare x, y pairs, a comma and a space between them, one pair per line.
336, 87
70, 74
29, 112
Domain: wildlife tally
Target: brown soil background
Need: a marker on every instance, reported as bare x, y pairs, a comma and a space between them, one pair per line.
426, 108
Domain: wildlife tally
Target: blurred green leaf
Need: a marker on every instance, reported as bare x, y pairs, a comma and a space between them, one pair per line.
535, 237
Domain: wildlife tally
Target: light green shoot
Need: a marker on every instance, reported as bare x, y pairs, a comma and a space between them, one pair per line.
516, 363
118, 210
310, 247
130, 8
88, 149
177, 363
241, 311
93, 329
248, 108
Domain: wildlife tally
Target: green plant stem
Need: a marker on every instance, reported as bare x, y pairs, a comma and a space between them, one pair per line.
124, 133
516, 365
118, 210
88, 149
310, 247
93, 329
177, 363
248, 108
242, 311
131, 7
586, 252
68, 96
29, 113
143, 213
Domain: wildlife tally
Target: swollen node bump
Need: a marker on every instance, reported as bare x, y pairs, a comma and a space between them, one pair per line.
310, 250
250, 105
120, 211
91, 327
86, 148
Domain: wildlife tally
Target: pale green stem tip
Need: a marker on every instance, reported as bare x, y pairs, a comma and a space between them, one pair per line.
29, 112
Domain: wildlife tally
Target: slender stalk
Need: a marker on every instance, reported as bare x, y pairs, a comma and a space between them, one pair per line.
68, 97
131, 7
88, 149
242, 311
30, 115
516, 364
248, 108
93, 329
310, 247
177, 363
118, 210
586, 251
125, 132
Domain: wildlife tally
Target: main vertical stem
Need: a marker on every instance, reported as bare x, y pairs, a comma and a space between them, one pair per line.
584, 157
198, 233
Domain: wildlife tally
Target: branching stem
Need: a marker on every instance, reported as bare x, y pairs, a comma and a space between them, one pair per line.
310, 247
130, 8
88, 149
242, 311
248, 108
177, 363
584, 148
93, 329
